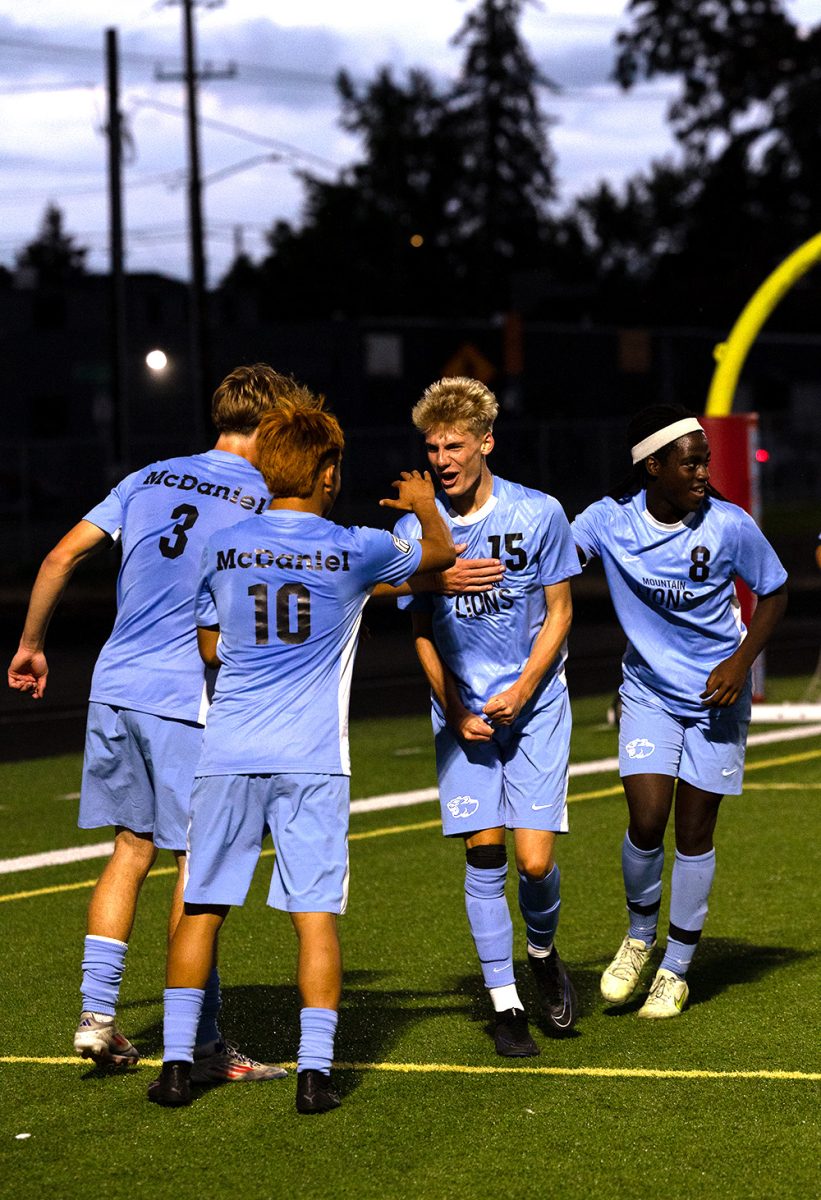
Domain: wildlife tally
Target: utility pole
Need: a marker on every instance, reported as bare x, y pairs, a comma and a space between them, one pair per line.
119, 381
198, 304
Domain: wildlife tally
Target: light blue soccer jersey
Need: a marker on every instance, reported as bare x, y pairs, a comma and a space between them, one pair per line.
485, 638
673, 589
165, 513
287, 591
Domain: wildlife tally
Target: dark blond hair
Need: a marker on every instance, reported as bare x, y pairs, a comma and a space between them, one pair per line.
294, 444
248, 392
456, 402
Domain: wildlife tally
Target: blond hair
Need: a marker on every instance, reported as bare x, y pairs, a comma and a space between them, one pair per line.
250, 391
293, 445
456, 402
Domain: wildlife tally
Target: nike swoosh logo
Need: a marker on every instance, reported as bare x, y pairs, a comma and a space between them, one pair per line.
539, 807
629, 558
723, 772
498, 970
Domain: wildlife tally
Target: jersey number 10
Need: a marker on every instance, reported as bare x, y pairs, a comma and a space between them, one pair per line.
288, 593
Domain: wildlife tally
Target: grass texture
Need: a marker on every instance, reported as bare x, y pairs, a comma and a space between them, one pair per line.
721, 1102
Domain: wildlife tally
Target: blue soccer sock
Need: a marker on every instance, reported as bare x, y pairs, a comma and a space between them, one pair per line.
103, 966
539, 903
489, 918
181, 1015
689, 892
642, 886
316, 1042
208, 1029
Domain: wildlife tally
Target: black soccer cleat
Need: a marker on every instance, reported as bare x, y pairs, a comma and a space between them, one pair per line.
556, 992
512, 1035
172, 1087
315, 1093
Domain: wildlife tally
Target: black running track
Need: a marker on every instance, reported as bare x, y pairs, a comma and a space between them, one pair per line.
387, 678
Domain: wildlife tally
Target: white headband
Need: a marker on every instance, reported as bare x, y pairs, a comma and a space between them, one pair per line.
663, 436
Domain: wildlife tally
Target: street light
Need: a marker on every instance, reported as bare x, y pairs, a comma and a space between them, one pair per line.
156, 360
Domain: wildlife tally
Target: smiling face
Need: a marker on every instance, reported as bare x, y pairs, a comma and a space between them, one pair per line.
457, 457
678, 480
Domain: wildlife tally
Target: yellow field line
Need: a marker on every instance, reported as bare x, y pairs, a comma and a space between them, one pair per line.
784, 761
463, 1069
600, 793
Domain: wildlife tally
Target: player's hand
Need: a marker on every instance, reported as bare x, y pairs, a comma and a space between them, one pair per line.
725, 684
469, 726
504, 708
414, 489
470, 574
28, 672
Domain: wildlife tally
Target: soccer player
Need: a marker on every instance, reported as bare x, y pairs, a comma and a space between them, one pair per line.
501, 716
148, 701
671, 548
278, 609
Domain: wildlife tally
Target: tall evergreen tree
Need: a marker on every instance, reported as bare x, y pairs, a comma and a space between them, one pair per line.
447, 199
507, 175
53, 255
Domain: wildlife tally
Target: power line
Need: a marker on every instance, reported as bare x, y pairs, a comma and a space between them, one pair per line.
225, 127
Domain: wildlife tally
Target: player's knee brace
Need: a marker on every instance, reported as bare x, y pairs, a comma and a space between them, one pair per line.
486, 857
485, 872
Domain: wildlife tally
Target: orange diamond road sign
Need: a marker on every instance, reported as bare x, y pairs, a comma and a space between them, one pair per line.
470, 362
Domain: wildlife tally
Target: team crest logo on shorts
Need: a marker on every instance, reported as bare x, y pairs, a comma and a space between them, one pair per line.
401, 544
462, 806
639, 748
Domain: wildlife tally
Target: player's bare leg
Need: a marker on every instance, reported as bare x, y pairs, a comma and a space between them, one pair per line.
191, 952
113, 903
319, 978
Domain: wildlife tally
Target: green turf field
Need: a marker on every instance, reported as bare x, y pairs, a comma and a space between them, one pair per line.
719, 1103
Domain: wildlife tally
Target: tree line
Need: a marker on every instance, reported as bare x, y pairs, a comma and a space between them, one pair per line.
451, 208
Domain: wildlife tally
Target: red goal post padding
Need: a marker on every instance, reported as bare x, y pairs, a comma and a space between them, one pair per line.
735, 472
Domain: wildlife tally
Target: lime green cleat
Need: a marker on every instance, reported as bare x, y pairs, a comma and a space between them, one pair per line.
668, 995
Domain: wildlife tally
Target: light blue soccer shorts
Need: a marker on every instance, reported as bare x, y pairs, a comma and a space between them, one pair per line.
517, 780
138, 772
307, 816
706, 750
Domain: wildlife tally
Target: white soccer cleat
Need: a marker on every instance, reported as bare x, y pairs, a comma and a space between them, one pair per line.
668, 995
97, 1037
222, 1062
622, 977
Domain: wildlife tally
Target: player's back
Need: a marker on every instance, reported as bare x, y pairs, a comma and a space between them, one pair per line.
287, 591
165, 514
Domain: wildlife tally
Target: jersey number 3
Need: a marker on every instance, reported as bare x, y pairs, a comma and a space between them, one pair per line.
289, 592
172, 547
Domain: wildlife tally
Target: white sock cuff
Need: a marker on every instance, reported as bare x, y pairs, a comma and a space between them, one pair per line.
98, 937
505, 997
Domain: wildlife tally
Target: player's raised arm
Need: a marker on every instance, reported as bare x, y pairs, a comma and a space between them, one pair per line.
28, 670
416, 495
466, 575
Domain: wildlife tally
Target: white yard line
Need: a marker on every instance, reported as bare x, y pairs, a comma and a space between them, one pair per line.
52, 858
